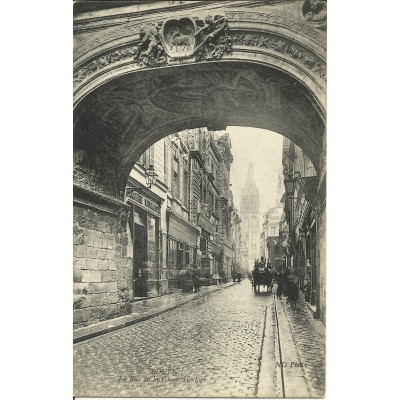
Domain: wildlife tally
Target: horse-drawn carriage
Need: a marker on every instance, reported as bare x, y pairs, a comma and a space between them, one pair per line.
261, 275
236, 277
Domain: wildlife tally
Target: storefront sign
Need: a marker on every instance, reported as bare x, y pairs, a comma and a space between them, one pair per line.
140, 200
181, 230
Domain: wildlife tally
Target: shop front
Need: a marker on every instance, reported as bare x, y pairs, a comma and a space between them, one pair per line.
218, 274
182, 249
208, 262
144, 227
228, 262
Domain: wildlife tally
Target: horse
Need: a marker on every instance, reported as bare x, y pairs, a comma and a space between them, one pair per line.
261, 276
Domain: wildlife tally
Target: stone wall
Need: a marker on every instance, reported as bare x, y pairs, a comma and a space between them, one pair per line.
102, 271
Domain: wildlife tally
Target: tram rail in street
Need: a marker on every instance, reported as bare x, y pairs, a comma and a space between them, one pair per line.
279, 347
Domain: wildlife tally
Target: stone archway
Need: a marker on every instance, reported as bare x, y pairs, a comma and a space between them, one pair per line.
269, 72
128, 94
125, 116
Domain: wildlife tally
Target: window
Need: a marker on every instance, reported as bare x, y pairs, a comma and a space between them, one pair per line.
166, 147
180, 258
203, 244
216, 203
186, 189
172, 254
147, 158
175, 179
187, 255
192, 255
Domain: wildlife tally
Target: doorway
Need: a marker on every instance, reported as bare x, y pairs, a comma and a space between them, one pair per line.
140, 255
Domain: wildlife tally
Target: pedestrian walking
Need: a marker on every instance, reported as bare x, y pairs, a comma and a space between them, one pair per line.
281, 280
196, 279
292, 292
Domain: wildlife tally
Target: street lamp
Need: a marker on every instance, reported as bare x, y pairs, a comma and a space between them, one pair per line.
151, 176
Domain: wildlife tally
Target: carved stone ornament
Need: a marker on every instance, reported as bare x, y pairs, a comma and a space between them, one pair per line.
275, 19
279, 20
178, 37
167, 41
315, 12
103, 61
124, 213
192, 39
202, 39
282, 46
150, 51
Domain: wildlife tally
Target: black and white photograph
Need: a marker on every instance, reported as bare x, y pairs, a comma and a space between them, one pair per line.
208, 208
199, 199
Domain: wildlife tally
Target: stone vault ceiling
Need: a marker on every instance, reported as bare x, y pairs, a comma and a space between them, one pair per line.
125, 116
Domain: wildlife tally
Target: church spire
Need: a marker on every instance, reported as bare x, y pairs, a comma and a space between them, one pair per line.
250, 181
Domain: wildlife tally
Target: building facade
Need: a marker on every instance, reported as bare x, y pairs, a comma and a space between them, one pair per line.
237, 244
271, 246
147, 225
186, 218
298, 227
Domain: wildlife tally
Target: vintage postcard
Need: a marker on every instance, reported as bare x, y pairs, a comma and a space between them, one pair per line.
199, 226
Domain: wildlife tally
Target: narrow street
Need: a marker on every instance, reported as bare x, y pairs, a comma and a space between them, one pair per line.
221, 345
199, 156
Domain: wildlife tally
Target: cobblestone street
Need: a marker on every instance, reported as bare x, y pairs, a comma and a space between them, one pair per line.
212, 346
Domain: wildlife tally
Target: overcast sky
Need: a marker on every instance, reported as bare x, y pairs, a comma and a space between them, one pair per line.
264, 148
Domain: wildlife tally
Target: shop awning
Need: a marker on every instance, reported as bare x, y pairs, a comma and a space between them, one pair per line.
182, 230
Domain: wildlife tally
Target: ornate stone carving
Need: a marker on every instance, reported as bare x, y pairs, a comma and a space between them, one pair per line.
103, 61
133, 29
178, 37
150, 51
195, 39
108, 35
124, 213
202, 39
211, 38
192, 139
184, 38
315, 11
282, 46
91, 173
279, 20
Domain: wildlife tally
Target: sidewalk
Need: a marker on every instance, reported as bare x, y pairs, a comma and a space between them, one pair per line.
303, 350
143, 310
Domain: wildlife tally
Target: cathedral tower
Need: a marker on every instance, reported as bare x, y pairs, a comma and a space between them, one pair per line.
250, 215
